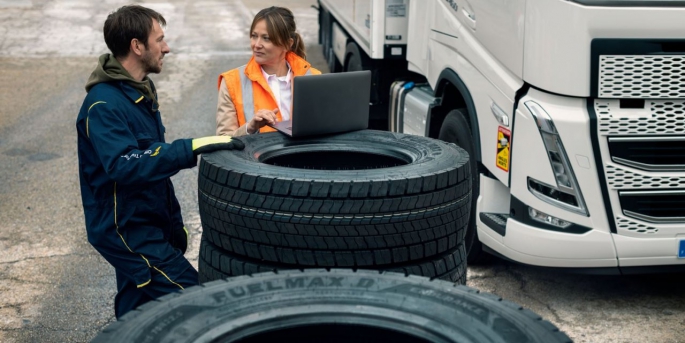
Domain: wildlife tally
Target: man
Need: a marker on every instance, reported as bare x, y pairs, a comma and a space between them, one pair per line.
133, 218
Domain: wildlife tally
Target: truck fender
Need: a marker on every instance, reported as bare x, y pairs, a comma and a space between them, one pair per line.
449, 79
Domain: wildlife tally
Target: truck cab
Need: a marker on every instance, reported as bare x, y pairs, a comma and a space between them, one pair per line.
572, 111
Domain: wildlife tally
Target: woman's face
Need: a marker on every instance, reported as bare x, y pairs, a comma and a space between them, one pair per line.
263, 50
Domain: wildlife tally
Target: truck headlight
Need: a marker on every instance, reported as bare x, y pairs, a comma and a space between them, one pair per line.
543, 217
566, 193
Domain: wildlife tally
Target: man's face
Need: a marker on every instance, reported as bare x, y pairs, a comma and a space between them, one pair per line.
155, 50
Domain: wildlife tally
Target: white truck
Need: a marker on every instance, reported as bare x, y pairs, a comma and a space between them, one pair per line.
573, 113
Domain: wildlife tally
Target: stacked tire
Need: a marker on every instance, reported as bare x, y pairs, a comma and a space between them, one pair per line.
333, 306
360, 200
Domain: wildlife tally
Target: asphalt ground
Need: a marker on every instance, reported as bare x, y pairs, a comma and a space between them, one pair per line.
54, 287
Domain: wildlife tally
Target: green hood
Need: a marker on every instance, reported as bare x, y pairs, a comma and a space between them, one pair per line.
109, 69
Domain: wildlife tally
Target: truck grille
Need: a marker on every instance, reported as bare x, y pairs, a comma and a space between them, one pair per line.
659, 117
643, 153
649, 153
654, 206
638, 99
642, 76
634, 227
619, 177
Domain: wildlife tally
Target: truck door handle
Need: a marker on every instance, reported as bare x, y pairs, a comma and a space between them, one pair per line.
469, 14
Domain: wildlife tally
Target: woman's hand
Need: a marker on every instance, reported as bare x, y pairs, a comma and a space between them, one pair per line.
260, 119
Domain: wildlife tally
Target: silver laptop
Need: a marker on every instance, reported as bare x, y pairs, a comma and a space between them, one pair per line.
328, 103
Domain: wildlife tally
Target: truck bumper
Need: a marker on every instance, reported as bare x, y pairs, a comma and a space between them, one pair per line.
530, 245
536, 246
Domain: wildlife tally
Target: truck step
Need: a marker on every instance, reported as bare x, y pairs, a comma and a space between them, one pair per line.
495, 221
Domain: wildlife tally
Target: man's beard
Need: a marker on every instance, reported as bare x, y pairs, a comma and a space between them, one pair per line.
150, 65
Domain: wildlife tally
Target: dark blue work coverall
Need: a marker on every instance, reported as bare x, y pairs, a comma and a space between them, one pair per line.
130, 207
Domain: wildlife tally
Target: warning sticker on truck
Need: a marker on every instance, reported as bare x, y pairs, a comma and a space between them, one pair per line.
395, 9
503, 148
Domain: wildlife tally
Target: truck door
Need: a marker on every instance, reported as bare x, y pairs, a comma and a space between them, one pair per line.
481, 42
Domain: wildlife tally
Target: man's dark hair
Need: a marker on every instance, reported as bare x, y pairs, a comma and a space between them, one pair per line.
127, 23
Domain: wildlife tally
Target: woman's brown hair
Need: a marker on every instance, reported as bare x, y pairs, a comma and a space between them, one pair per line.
280, 25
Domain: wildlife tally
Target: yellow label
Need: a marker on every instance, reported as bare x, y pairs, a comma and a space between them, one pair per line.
156, 151
503, 148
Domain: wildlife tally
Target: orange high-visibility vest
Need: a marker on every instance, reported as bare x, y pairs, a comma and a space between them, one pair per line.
248, 80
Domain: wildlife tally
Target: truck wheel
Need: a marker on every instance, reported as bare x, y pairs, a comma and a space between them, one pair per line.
359, 199
333, 63
331, 306
456, 129
325, 32
355, 60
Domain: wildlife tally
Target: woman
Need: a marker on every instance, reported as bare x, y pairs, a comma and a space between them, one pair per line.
260, 92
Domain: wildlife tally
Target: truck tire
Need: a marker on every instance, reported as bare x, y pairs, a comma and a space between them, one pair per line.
334, 65
331, 306
281, 200
456, 129
355, 59
323, 244
326, 39
325, 34
216, 264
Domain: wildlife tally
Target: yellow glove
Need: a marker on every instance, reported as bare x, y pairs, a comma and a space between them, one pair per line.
213, 143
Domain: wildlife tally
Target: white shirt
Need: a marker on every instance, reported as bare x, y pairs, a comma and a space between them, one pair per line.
280, 87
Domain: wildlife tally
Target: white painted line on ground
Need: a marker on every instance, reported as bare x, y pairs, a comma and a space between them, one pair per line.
15, 3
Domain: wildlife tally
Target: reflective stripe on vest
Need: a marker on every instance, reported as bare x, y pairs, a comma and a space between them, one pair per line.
248, 101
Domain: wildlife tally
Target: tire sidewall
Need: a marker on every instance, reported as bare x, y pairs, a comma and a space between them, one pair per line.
456, 129
354, 60
424, 156
242, 306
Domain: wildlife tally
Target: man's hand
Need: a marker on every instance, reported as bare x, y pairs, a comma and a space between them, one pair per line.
260, 119
213, 143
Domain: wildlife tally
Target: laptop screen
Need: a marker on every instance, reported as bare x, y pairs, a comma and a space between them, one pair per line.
330, 103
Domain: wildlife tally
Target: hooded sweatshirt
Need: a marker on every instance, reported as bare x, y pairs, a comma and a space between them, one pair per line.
109, 69
125, 166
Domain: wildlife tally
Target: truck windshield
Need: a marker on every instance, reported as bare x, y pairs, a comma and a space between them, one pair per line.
633, 3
